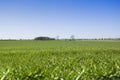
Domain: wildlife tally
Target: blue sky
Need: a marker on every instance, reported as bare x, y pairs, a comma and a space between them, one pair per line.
81, 18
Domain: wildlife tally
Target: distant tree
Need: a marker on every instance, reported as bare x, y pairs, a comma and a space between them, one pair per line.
72, 37
57, 38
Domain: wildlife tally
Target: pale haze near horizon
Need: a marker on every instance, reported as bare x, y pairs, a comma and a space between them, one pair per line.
27, 19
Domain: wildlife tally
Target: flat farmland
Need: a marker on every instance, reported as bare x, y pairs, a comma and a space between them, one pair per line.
60, 60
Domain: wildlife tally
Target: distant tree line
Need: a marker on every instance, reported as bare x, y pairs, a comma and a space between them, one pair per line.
72, 37
44, 38
100, 39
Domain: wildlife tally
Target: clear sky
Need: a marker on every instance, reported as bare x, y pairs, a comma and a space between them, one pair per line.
81, 18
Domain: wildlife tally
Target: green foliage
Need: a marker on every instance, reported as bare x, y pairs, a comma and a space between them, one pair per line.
60, 60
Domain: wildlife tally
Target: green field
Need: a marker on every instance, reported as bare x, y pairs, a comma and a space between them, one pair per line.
60, 60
